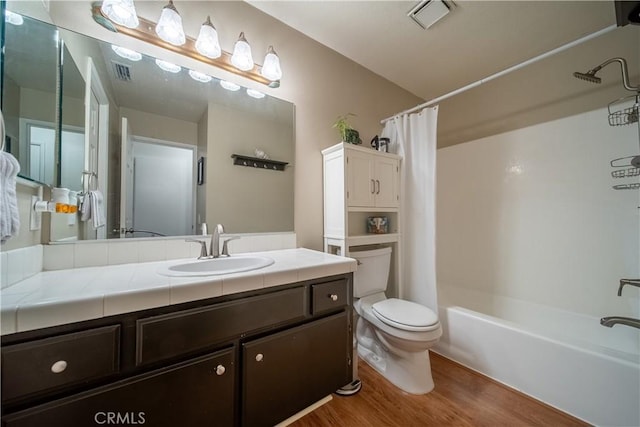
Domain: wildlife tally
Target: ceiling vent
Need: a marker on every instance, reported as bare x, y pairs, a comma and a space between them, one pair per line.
122, 72
428, 12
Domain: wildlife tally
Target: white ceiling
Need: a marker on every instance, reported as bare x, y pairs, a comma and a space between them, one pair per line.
475, 40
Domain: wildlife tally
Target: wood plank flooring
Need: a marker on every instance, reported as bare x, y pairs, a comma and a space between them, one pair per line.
462, 397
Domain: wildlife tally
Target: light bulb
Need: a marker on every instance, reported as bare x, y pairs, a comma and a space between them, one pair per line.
122, 12
255, 94
201, 77
207, 43
125, 53
13, 18
271, 67
241, 57
168, 66
169, 26
229, 86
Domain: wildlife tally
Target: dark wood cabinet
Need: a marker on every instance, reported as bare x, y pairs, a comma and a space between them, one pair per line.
196, 393
286, 372
248, 359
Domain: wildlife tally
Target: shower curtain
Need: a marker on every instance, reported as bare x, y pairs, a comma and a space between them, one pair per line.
415, 138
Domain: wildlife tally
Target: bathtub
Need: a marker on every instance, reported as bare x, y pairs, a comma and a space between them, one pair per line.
564, 359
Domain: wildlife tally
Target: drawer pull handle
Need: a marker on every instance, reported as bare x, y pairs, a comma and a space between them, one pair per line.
220, 370
59, 367
333, 297
259, 357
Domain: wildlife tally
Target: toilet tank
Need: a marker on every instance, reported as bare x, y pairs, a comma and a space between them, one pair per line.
372, 274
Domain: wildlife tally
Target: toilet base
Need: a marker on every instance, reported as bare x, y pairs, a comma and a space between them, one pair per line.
410, 373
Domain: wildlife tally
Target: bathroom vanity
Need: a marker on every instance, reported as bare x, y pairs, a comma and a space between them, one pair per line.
250, 358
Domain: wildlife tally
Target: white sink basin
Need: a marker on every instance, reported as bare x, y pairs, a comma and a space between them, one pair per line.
217, 266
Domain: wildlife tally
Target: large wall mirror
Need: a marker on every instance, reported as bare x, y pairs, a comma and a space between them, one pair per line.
156, 140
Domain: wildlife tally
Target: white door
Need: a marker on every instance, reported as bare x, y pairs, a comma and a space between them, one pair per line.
126, 179
163, 190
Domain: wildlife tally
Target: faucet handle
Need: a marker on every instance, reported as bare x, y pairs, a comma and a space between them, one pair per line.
203, 247
225, 246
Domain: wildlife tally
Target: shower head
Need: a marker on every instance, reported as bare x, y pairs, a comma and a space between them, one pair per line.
589, 76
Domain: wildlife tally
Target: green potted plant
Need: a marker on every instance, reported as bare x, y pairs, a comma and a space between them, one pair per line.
347, 133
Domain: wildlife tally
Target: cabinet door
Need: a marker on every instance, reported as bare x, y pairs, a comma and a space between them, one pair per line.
387, 180
199, 392
288, 371
360, 180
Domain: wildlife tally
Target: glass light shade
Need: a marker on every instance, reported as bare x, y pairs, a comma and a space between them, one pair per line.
229, 86
169, 27
122, 12
271, 66
201, 77
13, 18
255, 94
207, 43
168, 66
241, 58
125, 53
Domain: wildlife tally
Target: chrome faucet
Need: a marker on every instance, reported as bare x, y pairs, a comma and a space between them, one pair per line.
615, 320
632, 282
214, 247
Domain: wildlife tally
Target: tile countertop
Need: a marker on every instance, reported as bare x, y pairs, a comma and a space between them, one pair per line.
53, 298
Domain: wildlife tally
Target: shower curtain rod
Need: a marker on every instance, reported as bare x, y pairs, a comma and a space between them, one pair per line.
505, 71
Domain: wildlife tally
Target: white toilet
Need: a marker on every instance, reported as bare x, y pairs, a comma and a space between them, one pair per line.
393, 335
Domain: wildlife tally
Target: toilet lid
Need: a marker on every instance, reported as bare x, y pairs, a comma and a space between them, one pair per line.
405, 315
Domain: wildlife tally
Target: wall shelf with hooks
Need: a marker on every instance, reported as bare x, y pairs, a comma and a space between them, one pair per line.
255, 162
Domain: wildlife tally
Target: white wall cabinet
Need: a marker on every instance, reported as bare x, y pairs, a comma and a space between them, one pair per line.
372, 179
358, 183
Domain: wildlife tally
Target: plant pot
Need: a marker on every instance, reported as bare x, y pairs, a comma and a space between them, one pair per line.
352, 136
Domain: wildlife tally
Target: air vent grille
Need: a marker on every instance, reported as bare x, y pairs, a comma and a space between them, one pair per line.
122, 72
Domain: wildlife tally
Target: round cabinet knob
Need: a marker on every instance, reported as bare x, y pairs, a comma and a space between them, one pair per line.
220, 370
259, 357
333, 297
59, 366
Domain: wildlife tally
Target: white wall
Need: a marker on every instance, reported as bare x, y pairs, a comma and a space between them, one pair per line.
531, 214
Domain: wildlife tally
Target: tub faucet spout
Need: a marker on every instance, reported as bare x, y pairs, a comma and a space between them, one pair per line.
615, 320
632, 282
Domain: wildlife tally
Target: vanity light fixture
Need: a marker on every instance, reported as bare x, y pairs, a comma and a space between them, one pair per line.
125, 53
255, 94
207, 43
241, 57
13, 18
240, 63
168, 66
122, 12
271, 68
229, 86
200, 77
169, 27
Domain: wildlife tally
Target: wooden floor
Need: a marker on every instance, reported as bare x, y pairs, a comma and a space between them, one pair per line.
461, 397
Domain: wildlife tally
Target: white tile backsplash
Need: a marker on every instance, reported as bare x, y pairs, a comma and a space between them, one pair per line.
21, 263
58, 257
91, 255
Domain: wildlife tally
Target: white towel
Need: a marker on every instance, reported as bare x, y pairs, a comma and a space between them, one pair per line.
9, 215
92, 208
97, 208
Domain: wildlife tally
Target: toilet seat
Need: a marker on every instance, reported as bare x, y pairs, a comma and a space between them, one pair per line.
405, 315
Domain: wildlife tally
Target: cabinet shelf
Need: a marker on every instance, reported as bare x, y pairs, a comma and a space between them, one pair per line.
372, 239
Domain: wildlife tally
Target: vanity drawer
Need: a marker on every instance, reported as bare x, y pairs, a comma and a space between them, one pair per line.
329, 295
68, 359
170, 335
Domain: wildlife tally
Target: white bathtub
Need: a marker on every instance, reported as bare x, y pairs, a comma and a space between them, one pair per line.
565, 359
